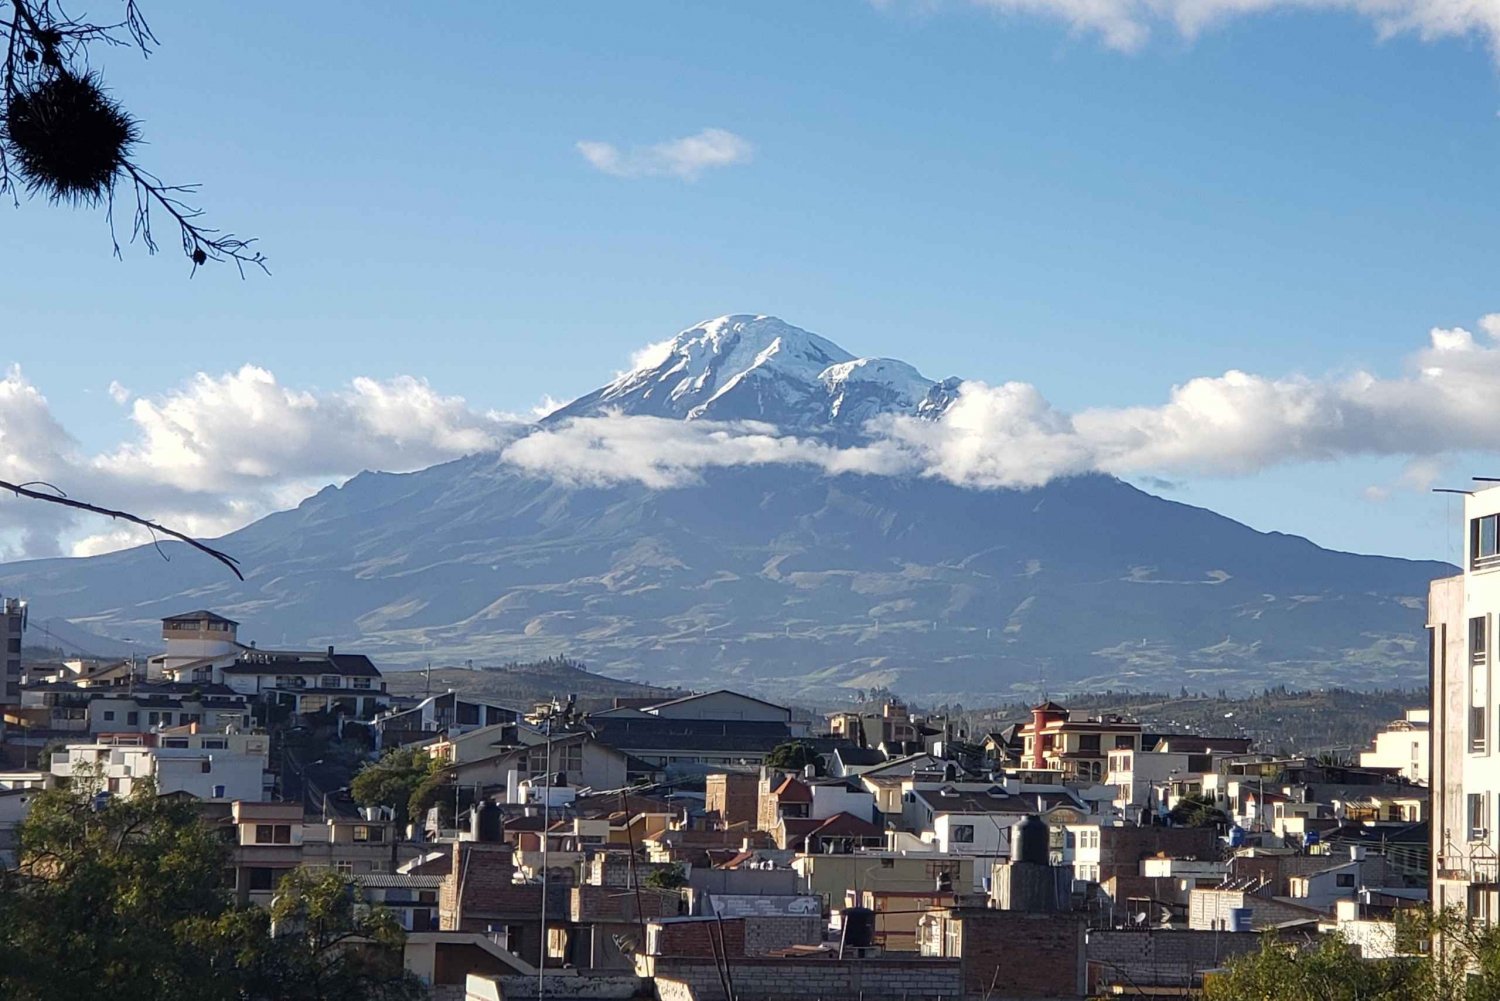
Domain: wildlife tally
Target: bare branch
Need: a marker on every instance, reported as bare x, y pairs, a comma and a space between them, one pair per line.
20, 490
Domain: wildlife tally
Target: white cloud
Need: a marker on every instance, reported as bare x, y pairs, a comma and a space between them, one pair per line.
221, 451
661, 452
686, 158
1011, 436
1127, 24
119, 393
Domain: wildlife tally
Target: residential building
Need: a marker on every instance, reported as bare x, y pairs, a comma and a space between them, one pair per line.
12, 626
216, 767
1404, 746
892, 728
448, 713
202, 648
1079, 748
975, 818
1463, 614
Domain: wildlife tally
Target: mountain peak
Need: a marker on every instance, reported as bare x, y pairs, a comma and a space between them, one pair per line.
755, 367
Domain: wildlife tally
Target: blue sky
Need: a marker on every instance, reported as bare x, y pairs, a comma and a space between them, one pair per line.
998, 196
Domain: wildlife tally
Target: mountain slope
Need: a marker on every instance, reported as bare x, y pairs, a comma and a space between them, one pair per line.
781, 579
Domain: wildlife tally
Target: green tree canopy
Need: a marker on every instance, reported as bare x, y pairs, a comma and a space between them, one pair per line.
126, 897
396, 780
793, 755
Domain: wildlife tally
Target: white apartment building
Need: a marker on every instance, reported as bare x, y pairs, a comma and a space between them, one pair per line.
1463, 614
219, 767
1405, 744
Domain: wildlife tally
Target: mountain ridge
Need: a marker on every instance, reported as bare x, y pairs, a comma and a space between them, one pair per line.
781, 579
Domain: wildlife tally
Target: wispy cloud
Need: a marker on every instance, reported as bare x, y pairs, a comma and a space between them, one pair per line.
686, 158
1128, 24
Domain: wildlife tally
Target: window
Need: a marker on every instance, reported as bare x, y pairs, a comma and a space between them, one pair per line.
133, 719
206, 766
153, 718
109, 715
218, 792
216, 744
963, 834
1125, 743
273, 834
175, 742
363, 832
330, 681
344, 868
360, 682
1344, 879
1089, 742
1484, 542
262, 879
1476, 816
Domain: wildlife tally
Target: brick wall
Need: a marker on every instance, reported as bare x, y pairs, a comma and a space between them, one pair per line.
702, 937
1122, 848
610, 903
1013, 954
810, 979
1161, 957
734, 796
763, 934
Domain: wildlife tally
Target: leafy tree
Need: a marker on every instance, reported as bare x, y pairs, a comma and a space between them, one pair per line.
1439, 957
1197, 810
319, 944
793, 755
395, 780
666, 878
125, 897
108, 898
1329, 971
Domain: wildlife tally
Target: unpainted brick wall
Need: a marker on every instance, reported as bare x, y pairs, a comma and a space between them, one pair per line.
763, 934
1158, 957
811, 980
1012, 954
702, 938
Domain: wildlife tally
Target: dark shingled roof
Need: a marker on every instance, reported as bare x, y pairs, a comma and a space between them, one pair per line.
202, 615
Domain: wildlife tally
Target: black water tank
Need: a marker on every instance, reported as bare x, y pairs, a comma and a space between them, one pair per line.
491, 823
859, 927
1030, 841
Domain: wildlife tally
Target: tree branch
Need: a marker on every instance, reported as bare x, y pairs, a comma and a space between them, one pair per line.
21, 490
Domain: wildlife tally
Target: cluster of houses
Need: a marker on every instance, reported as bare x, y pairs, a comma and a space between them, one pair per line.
715, 844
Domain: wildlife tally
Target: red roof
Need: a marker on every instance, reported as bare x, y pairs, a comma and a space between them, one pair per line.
793, 791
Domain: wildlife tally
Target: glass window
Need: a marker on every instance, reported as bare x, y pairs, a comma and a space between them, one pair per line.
1476, 816
364, 832
262, 879
1484, 540
963, 834
273, 834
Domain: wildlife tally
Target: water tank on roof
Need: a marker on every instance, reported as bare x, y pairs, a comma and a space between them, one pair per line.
1237, 836
1030, 841
859, 927
491, 824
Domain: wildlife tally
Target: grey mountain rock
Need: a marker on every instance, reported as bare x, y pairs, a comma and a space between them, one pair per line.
781, 580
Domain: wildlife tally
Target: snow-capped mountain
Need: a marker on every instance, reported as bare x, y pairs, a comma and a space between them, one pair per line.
780, 579
747, 367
